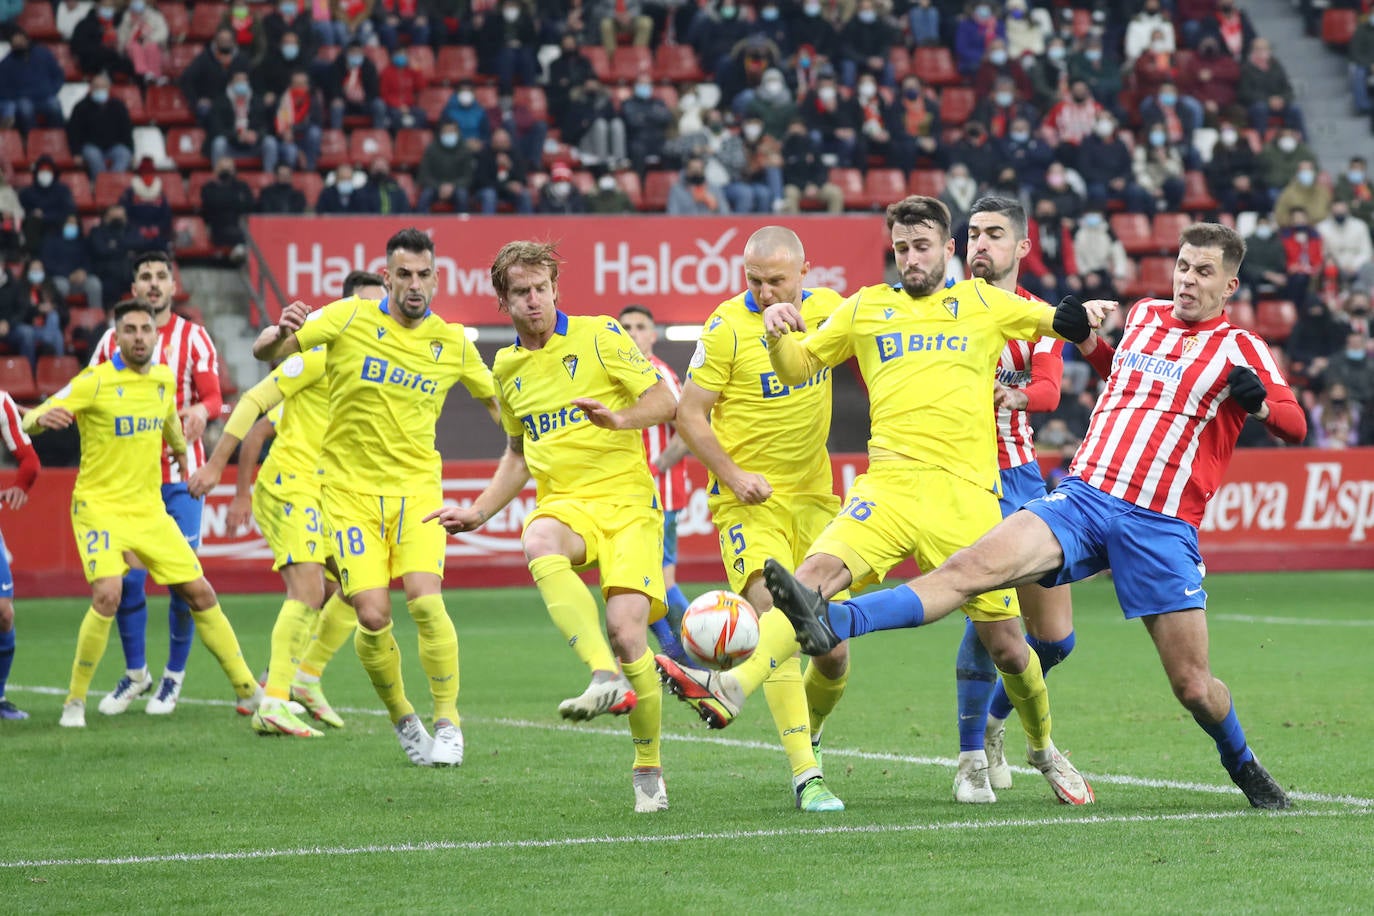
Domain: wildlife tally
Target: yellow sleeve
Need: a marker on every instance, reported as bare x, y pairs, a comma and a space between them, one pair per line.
509, 422
76, 395
476, 377
171, 423
255, 402
623, 361
714, 355
797, 358
326, 324
297, 372
1019, 319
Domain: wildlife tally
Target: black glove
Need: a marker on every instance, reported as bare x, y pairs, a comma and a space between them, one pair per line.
1071, 320
1246, 388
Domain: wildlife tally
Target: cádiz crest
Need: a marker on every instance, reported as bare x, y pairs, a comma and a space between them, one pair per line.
436, 348
570, 363
952, 303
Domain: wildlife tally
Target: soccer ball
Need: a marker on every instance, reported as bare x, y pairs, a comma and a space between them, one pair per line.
720, 629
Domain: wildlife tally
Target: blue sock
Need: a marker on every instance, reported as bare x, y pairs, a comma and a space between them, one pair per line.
6, 658
974, 678
888, 609
677, 603
132, 619
182, 628
1050, 654
1230, 739
667, 638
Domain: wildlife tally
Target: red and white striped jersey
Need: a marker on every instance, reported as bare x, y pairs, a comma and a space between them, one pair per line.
1037, 368
672, 486
187, 350
1163, 429
17, 441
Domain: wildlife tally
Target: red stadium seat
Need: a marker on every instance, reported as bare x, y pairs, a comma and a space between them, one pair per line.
601, 64
196, 183
410, 147
71, 70
205, 19
17, 378
1196, 196
1154, 277
455, 64
1274, 319
38, 22
109, 186
310, 184
957, 104
1338, 27
167, 107
628, 63
900, 59
83, 319
1166, 230
851, 182
584, 181
884, 186
191, 238
432, 100
178, 22
629, 183
926, 182
677, 64
132, 97
185, 147
486, 97
1241, 314
179, 57
1134, 232
174, 186
50, 141
54, 372
668, 96
935, 66
422, 61
80, 186
407, 184
380, 56
333, 149
533, 98
657, 184
366, 145
12, 149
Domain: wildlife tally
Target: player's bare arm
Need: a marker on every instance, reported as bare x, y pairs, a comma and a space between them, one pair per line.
241, 506
510, 478
14, 497
694, 427
56, 418
1011, 398
782, 318
655, 406
672, 453
1074, 320
283, 342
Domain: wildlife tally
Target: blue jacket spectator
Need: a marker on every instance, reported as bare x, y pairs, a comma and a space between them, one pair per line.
30, 79
865, 42
462, 109
68, 262
972, 35
47, 200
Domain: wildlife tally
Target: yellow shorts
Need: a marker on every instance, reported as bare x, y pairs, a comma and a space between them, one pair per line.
378, 538
903, 509
781, 528
102, 537
293, 524
624, 542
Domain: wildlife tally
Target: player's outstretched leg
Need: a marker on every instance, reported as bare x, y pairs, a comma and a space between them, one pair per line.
806, 609
705, 691
336, 626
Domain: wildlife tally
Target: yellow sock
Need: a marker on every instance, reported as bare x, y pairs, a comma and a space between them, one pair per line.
438, 653
217, 635
1029, 695
646, 719
91, 640
381, 659
822, 695
787, 703
777, 642
336, 624
290, 636
573, 610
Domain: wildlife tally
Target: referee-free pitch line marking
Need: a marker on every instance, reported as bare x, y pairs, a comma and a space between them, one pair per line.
1289, 621
1353, 801
640, 838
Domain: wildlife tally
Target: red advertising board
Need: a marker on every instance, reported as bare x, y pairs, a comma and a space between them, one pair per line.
1279, 509
681, 267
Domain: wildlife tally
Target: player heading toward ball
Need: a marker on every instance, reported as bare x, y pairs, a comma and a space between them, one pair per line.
575, 392
1180, 387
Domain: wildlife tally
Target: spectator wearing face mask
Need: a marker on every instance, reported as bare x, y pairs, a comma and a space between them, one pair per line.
865, 41
772, 104
1157, 66
571, 70
1354, 187
505, 48
1027, 31
67, 261
609, 197
282, 195
1233, 173
814, 31
1305, 258
647, 120
1265, 91
110, 253
1210, 76
1353, 369
45, 311
882, 131
291, 17
1049, 75
347, 193
1149, 30
240, 127
1334, 421
1303, 193
974, 34
692, 195
1100, 257
1178, 115
714, 34
1265, 268
502, 176
959, 194
590, 122
462, 109
150, 213
69, 16
1158, 166
1348, 244
271, 76
1225, 23
30, 79
1003, 107
1317, 336
918, 108
744, 73
397, 19
400, 87
95, 42
207, 77
353, 88
1021, 149
997, 69
47, 203
979, 152
923, 23
769, 23
1100, 70
142, 38
1279, 160
834, 122
225, 202
559, 195
805, 178
100, 130
446, 171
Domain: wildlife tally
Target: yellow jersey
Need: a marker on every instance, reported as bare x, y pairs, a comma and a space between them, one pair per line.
124, 416
587, 357
387, 385
929, 363
765, 426
301, 418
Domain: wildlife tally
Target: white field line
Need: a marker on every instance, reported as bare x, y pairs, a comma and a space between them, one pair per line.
830, 752
727, 835
1289, 621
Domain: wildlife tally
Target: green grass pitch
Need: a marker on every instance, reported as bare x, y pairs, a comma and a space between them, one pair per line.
196, 813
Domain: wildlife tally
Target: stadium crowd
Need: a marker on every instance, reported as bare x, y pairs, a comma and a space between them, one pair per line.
1115, 124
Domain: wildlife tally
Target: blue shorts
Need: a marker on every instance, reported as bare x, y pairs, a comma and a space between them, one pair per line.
1019, 486
1154, 558
670, 537
185, 510
6, 580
